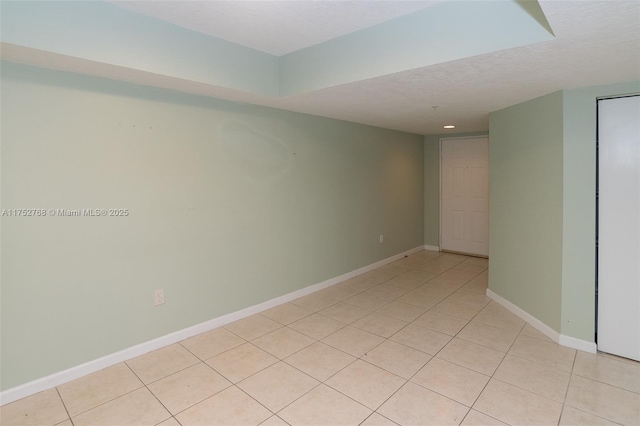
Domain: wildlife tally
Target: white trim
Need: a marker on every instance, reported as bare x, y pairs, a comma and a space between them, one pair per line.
431, 248
562, 339
72, 373
533, 321
581, 345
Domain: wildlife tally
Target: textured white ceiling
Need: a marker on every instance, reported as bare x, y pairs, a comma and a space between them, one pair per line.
598, 43
275, 27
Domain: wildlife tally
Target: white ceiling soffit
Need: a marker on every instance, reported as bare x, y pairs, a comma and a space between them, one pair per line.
275, 27
597, 43
101, 32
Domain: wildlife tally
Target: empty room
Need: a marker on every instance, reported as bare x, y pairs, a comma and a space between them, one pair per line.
319, 212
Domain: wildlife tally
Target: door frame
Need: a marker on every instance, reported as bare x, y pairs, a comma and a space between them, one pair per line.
440, 141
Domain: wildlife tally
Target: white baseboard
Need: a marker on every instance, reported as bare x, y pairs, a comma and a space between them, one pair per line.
533, 321
78, 371
581, 345
562, 339
432, 248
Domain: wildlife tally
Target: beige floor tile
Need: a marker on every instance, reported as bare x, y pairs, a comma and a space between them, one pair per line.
314, 302
426, 296
320, 361
414, 275
422, 339
451, 289
466, 354
438, 264
241, 362
387, 291
407, 283
137, 408
97, 388
229, 407
453, 281
617, 358
426, 254
401, 311
44, 408
478, 261
537, 378
381, 325
477, 285
408, 262
162, 362
372, 278
624, 375
277, 386
376, 419
169, 422
344, 312
274, 421
68, 423
602, 400
344, 290
414, 405
442, 261
550, 354
435, 268
395, 268
367, 301
283, 342
491, 337
451, 380
469, 267
212, 343
476, 418
441, 322
457, 309
324, 406
353, 341
317, 326
497, 316
470, 298
252, 327
366, 383
529, 331
286, 313
398, 359
453, 257
188, 387
517, 406
572, 417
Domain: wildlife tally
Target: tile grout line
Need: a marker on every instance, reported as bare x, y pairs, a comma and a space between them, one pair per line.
64, 405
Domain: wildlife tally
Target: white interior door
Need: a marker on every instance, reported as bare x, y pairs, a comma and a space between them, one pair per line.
464, 206
619, 227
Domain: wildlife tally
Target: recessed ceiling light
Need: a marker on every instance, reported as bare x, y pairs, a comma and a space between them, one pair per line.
449, 126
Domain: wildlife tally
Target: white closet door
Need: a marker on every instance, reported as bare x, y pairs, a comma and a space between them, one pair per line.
465, 195
619, 227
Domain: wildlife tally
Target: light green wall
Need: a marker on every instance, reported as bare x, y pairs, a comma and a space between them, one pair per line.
579, 209
230, 205
518, 252
432, 184
525, 157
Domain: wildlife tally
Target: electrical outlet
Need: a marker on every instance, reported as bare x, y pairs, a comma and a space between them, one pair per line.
158, 297
381, 238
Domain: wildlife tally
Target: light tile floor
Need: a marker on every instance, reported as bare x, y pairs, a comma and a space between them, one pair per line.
415, 342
